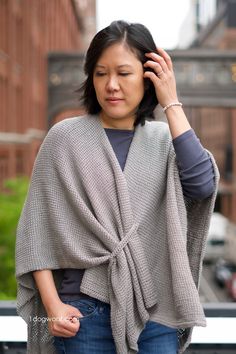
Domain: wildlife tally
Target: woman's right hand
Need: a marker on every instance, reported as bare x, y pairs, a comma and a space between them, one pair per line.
63, 320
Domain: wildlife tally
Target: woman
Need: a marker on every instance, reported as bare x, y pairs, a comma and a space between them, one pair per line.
111, 238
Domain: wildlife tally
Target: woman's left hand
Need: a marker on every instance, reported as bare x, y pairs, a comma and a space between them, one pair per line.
162, 76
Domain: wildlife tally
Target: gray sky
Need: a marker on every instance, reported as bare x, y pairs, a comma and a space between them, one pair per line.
162, 17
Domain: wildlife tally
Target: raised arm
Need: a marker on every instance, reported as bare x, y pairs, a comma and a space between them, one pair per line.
163, 79
195, 167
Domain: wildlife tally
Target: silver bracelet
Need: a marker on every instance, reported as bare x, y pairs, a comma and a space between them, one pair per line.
171, 105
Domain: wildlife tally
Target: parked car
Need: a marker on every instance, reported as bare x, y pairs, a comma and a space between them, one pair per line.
231, 286
215, 246
223, 271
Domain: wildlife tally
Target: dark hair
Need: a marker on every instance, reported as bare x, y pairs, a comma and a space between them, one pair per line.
138, 38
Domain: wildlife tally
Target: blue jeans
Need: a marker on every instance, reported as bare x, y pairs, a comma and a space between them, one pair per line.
95, 335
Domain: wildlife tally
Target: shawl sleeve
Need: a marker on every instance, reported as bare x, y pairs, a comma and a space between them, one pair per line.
28, 259
195, 220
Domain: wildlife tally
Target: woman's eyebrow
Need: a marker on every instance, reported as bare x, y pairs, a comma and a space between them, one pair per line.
122, 65
99, 66
119, 66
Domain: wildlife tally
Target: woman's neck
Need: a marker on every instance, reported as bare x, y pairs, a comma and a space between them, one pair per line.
122, 124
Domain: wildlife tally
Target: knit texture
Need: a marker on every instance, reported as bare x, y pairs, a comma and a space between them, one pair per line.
140, 241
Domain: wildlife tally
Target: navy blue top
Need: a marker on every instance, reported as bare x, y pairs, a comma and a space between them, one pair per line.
120, 141
195, 166
196, 175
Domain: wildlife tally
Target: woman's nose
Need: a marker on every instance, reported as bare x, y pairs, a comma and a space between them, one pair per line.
113, 83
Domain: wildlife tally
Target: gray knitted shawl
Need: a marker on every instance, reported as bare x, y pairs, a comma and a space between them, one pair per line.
139, 240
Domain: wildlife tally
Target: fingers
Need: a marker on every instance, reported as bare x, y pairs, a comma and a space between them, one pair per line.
150, 75
166, 57
156, 63
64, 327
64, 321
157, 69
160, 72
159, 63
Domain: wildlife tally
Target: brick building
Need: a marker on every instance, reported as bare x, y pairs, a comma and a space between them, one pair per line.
29, 30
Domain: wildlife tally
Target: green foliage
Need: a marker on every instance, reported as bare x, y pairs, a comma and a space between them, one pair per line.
11, 203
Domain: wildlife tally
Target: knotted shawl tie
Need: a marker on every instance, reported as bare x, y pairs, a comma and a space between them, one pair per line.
123, 243
126, 276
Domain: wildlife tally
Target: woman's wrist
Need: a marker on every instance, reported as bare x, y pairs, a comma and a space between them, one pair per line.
172, 104
52, 306
51, 302
177, 120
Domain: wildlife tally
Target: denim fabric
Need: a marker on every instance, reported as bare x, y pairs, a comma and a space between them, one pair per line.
95, 335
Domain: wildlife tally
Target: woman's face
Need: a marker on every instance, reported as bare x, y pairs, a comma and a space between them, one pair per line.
119, 86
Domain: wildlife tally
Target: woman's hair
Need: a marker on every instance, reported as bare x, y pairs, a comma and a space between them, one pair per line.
138, 39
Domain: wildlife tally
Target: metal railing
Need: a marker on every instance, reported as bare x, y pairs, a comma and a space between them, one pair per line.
219, 337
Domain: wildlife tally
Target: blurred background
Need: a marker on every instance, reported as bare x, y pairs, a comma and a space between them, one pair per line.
42, 47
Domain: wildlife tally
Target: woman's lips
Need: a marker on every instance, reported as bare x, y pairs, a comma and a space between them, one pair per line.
114, 100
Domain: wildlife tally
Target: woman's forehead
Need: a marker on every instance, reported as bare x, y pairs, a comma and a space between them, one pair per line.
118, 53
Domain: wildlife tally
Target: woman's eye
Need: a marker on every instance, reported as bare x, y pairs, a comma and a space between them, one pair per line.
124, 74
99, 73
